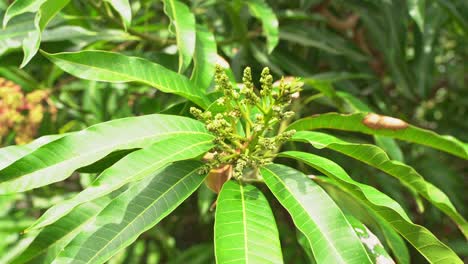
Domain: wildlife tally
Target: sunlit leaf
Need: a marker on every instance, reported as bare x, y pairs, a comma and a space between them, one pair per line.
124, 10
183, 26
133, 167
57, 160
314, 213
118, 68
418, 236
245, 229
132, 213
204, 59
354, 122
377, 158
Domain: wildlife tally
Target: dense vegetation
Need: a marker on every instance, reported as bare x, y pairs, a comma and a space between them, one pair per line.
244, 131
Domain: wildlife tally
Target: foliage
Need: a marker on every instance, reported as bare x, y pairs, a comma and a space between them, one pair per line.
157, 143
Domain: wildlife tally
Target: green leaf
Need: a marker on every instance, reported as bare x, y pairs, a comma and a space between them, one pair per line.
204, 60
368, 216
377, 158
10, 154
261, 10
354, 122
132, 213
118, 68
418, 236
245, 230
183, 26
124, 10
133, 167
46, 12
52, 239
20, 7
314, 213
320, 39
417, 12
57, 160
371, 242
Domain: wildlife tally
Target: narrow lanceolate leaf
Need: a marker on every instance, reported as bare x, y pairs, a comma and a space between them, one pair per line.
261, 10
132, 213
46, 13
12, 153
20, 7
183, 26
422, 239
52, 239
371, 242
204, 60
57, 160
377, 158
118, 68
245, 228
133, 167
314, 213
355, 122
124, 10
367, 216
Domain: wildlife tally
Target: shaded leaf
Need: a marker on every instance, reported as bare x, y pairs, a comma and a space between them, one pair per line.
261, 10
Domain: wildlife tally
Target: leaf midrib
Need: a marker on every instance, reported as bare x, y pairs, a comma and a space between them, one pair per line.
128, 77
99, 150
141, 213
295, 198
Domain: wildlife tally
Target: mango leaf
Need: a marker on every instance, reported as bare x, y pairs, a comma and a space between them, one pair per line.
371, 242
245, 230
183, 26
46, 12
354, 122
204, 60
418, 236
320, 39
367, 216
416, 9
124, 10
118, 68
19, 7
52, 239
133, 167
376, 157
314, 213
57, 160
132, 213
261, 10
12, 153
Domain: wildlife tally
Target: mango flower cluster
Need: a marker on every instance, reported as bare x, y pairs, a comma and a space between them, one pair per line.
22, 113
245, 122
